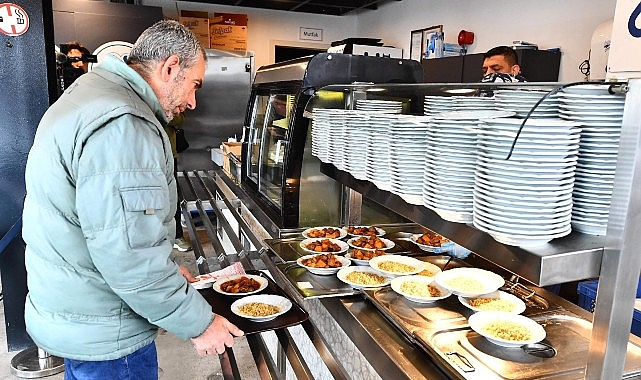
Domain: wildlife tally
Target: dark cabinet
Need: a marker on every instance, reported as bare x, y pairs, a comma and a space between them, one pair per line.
536, 66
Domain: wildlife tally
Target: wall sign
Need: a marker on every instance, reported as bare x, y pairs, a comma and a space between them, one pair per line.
14, 21
310, 34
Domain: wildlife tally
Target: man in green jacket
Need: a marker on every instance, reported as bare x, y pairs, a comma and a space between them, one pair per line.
99, 216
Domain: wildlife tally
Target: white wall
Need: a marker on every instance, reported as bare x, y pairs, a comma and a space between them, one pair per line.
567, 24
267, 27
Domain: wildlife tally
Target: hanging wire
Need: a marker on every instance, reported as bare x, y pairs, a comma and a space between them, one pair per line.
554, 91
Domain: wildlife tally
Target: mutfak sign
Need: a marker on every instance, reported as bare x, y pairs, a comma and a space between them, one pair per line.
310, 34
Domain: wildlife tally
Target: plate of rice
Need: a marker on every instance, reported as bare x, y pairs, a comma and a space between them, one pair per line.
363, 277
396, 265
420, 289
497, 301
261, 307
506, 329
469, 282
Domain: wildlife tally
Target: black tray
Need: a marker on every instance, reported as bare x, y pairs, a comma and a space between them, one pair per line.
221, 304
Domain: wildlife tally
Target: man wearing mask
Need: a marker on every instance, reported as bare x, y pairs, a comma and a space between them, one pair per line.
99, 216
501, 64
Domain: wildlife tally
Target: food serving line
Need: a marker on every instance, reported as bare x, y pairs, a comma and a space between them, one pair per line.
383, 329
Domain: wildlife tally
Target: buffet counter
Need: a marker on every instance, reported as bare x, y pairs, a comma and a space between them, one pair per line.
368, 335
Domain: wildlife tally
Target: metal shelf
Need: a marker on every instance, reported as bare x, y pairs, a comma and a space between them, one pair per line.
571, 258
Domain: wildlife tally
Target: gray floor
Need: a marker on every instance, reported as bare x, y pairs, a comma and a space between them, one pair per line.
176, 358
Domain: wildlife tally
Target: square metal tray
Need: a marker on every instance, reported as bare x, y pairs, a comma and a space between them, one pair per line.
221, 304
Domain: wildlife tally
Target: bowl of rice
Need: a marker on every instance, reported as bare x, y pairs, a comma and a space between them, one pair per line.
469, 282
397, 265
497, 301
506, 329
363, 277
420, 289
261, 307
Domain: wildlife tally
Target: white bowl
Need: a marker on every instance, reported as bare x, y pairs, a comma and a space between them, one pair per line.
480, 320
518, 304
344, 272
262, 280
323, 271
341, 231
359, 261
379, 231
417, 264
445, 247
388, 244
426, 281
472, 282
344, 247
203, 281
283, 303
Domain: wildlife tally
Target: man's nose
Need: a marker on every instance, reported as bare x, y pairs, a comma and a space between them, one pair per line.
191, 101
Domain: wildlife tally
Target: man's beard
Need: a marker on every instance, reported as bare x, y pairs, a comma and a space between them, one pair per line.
172, 96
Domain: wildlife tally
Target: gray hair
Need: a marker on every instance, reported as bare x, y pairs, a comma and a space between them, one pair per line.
162, 40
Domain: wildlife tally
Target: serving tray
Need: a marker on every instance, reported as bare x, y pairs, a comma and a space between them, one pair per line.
221, 304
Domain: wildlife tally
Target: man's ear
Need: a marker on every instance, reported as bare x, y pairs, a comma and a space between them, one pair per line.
516, 69
170, 68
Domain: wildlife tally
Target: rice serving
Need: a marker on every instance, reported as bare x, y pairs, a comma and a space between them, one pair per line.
507, 330
396, 267
466, 284
420, 289
493, 304
258, 309
364, 278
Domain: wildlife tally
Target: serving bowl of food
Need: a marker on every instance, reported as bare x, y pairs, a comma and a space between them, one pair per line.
363, 256
506, 329
370, 242
496, 301
397, 265
432, 242
469, 282
326, 232
323, 263
261, 307
363, 277
241, 284
363, 231
322, 245
420, 289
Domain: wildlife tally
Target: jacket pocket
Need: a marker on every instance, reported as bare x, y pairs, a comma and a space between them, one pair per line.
144, 209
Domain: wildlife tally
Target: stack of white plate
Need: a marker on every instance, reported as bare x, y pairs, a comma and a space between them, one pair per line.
600, 115
322, 122
377, 155
448, 181
522, 101
436, 104
385, 106
474, 103
408, 146
527, 199
337, 136
354, 140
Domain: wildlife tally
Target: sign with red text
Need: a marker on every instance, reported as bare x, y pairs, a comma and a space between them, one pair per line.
14, 21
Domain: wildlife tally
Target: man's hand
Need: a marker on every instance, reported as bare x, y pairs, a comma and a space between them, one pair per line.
185, 272
219, 334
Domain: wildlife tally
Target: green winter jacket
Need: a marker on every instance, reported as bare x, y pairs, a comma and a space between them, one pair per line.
98, 223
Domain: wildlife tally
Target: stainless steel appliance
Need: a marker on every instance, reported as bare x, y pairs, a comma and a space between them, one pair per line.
220, 106
277, 166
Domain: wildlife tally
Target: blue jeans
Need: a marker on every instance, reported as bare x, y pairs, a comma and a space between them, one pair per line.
139, 365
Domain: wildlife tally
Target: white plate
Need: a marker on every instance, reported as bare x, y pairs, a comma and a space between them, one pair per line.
358, 261
344, 247
262, 280
341, 233
323, 271
424, 281
283, 303
417, 264
388, 243
518, 304
379, 231
445, 247
203, 281
344, 272
487, 281
480, 320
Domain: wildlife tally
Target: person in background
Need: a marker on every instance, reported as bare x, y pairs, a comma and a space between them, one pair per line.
75, 53
180, 243
501, 64
99, 216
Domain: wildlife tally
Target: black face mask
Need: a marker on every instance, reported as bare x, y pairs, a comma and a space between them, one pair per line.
498, 77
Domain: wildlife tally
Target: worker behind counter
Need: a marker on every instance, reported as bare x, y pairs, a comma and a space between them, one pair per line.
501, 64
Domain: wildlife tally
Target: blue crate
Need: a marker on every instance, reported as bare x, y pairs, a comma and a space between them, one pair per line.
587, 298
